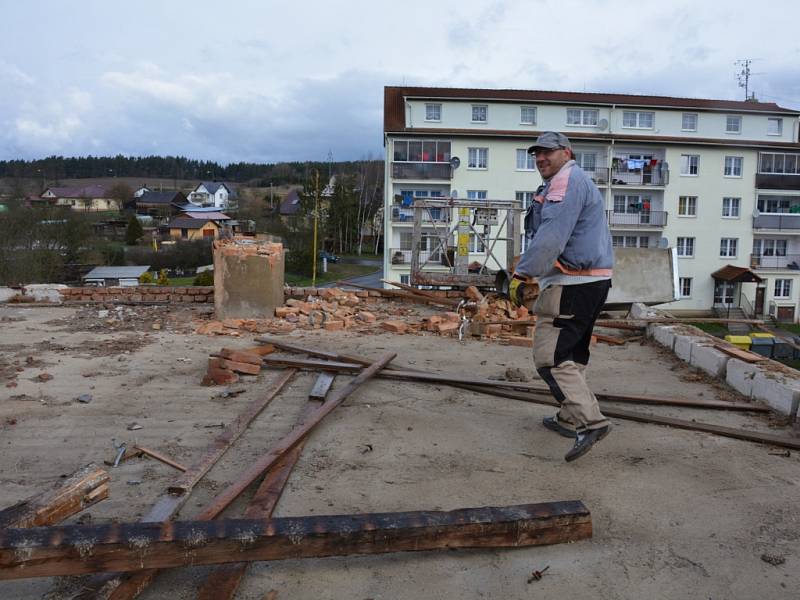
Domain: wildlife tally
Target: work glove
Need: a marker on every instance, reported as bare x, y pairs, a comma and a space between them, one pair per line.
516, 290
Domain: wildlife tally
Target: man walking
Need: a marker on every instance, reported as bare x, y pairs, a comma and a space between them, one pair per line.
569, 253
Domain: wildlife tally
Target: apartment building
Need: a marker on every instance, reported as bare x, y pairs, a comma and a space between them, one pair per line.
718, 180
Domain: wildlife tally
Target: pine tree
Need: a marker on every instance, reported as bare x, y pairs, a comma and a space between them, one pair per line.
134, 232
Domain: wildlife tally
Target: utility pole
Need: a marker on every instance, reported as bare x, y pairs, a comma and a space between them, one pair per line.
316, 221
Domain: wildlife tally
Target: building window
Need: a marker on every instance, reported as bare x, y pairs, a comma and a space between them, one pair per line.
733, 124
727, 247
685, 246
480, 113
587, 117
478, 158
769, 247
476, 194
405, 279
779, 163
689, 122
686, 287
783, 288
690, 164
638, 120
405, 240
525, 161
733, 166
630, 241
476, 244
527, 115
687, 206
587, 161
730, 207
433, 112
774, 126
421, 151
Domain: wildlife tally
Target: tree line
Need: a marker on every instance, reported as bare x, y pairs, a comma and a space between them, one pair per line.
54, 168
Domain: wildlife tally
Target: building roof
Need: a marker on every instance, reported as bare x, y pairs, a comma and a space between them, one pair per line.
213, 186
394, 101
187, 223
89, 191
291, 204
117, 272
207, 215
164, 198
736, 274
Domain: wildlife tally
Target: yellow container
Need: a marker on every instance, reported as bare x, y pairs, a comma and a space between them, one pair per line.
762, 335
740, 341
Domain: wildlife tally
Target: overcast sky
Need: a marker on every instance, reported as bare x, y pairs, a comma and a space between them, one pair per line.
271, 81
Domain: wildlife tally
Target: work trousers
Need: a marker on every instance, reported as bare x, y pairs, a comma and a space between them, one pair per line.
565, 316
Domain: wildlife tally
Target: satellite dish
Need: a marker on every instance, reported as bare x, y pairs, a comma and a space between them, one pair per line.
454, 194
455, 162
603, 124
663, 243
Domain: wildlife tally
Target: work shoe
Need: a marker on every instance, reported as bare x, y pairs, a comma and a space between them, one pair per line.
585, 440
552, 424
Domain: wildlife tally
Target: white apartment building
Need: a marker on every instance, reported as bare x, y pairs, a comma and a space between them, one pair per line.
719, 180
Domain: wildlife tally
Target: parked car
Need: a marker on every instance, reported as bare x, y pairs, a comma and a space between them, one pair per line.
329, 256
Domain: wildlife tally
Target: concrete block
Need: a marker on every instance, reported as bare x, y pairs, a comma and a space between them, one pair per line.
780, 393
739, 375
6, 293
663, 334
45, 292
683, 346
709, 359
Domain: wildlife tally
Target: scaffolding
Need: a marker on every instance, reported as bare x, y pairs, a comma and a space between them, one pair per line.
449, 223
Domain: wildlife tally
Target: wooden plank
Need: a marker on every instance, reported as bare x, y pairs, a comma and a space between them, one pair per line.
321, 386
749, 357
451, 379
160, 457
608, 339
104, 586
86, 486
415, 296
223, 582
80, 549
292, 439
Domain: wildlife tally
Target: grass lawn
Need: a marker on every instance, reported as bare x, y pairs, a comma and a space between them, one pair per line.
335, 272
181, 280
790, 327
716, 329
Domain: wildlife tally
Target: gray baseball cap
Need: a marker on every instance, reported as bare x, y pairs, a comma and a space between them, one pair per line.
550, 139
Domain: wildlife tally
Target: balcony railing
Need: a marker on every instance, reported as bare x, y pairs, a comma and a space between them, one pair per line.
598, 174
778, 181
422, 170
779, 221
652, 218
433, 215
657, 175
400, 256
789, 262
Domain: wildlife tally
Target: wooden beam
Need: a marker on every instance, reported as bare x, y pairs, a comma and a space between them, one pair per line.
417, 297
289, 441
322, 386
86, 486
106, 585
76, 549
459, 380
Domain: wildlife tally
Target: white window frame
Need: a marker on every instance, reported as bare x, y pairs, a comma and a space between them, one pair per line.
522, 110
731, 119
770, 246
783, 288
405, 279
686, 165
689, 207
433, 107
784, 161
728, 202
770, 121
637, 117
476, 246
733, 166
728, 247
528, 161
480, 108
583, 113
685, 287
695, 116
580, 159
685, 247
474, 156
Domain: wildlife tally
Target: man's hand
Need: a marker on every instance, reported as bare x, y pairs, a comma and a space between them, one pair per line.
522, 291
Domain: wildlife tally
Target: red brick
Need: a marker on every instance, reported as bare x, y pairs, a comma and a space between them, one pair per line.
451, 316
366, 317
216, 376
244, 356
334, 325
239, 367
262, 350
282, 311
394, 326
473, 293
447, 326
516, 340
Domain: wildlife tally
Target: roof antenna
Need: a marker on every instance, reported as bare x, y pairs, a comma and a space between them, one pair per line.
743, 78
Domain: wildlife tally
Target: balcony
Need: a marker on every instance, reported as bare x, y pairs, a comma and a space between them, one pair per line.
432, 215
648, 175
637, 220
422, 170
400, 256
777, 181
598, 174
787, 262
789, 222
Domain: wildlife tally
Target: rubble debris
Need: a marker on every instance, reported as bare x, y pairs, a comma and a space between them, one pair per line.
84, 398
160, 457
537, 575
773, 559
